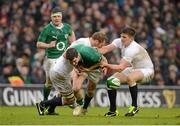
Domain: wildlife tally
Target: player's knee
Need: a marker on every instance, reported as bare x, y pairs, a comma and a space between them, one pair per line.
48, 86
76, 88
113, 83
90, 93
130, 80
69, 101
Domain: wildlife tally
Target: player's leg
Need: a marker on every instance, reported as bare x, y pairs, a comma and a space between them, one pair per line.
93, 78
138, 75
132, 78
48, 84
112, 93
48, 106
82, 110
89, 94
77, 86
63, 84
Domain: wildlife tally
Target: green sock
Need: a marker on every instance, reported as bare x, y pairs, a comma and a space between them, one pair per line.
46, 92
80, 102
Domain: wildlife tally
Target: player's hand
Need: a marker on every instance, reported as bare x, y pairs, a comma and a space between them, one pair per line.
52, 44
103, 64
78, 72
104, 69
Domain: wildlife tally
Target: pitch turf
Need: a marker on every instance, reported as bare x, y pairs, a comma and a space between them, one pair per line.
146, 116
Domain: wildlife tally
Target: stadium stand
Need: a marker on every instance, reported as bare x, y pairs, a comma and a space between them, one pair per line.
158, 30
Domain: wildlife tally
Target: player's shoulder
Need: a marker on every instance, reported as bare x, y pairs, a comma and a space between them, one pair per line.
82, 40
47, 27
67, 25
134, 47
117, 40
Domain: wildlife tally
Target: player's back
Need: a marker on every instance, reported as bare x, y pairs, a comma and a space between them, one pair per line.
83, 41
62, 66
90, 56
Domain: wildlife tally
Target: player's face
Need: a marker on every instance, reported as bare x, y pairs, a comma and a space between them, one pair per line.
126, 39
75, 61
99, 44
56, 20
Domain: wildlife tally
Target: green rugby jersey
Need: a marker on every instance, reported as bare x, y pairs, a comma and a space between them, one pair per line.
89, 55
51, 33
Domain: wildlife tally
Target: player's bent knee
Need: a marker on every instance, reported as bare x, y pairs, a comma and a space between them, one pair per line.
130, 80
48, 86
69, 100
113, 83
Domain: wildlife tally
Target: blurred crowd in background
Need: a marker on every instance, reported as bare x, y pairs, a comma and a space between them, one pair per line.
157, 23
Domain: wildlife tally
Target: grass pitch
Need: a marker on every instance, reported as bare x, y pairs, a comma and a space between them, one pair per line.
146, 116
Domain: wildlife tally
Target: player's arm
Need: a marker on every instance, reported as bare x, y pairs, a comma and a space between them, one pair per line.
72, 38
43, 45
106, 49
120, 67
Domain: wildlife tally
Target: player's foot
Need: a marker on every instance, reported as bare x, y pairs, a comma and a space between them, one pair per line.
40, 108
111, 114
132, 111
83, 111
79, 111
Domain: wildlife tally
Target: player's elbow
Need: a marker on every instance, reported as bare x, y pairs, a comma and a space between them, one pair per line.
38, 45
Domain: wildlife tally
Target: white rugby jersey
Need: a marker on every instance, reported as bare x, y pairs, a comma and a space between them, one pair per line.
84, 41
62, 65
135, 54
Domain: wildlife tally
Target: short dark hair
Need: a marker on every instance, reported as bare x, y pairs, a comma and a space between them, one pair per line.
55, 10
71, 53
129, 31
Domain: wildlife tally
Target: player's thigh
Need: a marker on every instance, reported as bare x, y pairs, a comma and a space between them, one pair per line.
78, 81
95, 75
148, 74
121, 76
48, 63
62, 83
135, 76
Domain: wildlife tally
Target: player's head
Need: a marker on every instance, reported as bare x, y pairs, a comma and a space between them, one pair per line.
98, 39
73, 56
127, 35
56, 16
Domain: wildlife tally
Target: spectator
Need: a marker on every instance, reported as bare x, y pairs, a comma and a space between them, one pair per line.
21, 21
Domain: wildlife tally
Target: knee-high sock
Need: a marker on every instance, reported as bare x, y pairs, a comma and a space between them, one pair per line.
112, 98
87, 100
134, 91
46, 92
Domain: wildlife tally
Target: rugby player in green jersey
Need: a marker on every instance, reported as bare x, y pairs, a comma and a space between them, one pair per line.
55, 38
83, 58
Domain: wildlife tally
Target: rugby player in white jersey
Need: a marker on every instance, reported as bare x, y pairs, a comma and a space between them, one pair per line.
135, 67
80, 56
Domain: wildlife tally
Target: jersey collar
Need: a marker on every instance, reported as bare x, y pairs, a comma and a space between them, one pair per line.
58, 27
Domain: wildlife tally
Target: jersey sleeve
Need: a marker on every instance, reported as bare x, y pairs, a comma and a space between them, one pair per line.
43, 35
69, 30
117, 43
